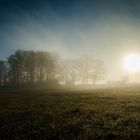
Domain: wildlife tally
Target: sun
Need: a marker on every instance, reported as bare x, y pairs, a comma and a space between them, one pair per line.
131, 63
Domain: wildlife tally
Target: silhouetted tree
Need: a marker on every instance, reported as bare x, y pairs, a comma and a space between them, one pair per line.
67, 72
84, 70
13, 72
84, 67
31, 67
98, 72
3, 73
89, 69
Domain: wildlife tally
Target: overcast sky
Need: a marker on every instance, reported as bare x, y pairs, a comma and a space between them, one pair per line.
107, 29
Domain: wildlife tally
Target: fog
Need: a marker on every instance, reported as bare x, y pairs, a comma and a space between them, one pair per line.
108, 35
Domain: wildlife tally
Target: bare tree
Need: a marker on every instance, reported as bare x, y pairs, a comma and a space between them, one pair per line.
3, 73
84, 70
98, 71
31, 67
67, 72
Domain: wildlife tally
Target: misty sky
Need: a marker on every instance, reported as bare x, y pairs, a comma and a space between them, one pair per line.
107, 29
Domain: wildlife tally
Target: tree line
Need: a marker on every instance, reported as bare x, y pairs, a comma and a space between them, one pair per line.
38, 67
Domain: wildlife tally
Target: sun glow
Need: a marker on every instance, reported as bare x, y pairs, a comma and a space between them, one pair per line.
132, 63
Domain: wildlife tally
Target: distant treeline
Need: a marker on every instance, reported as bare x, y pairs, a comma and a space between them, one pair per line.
30, 67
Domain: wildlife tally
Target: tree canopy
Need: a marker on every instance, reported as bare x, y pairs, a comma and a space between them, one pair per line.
30, 67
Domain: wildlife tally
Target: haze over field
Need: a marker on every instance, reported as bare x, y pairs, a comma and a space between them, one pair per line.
70, 69
106, 29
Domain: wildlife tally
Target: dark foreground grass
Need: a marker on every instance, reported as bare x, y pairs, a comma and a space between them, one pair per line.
70, 115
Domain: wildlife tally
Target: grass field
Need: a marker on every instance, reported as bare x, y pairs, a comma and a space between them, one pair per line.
110, 113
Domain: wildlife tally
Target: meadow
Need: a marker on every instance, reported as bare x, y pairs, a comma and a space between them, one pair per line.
86, 114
